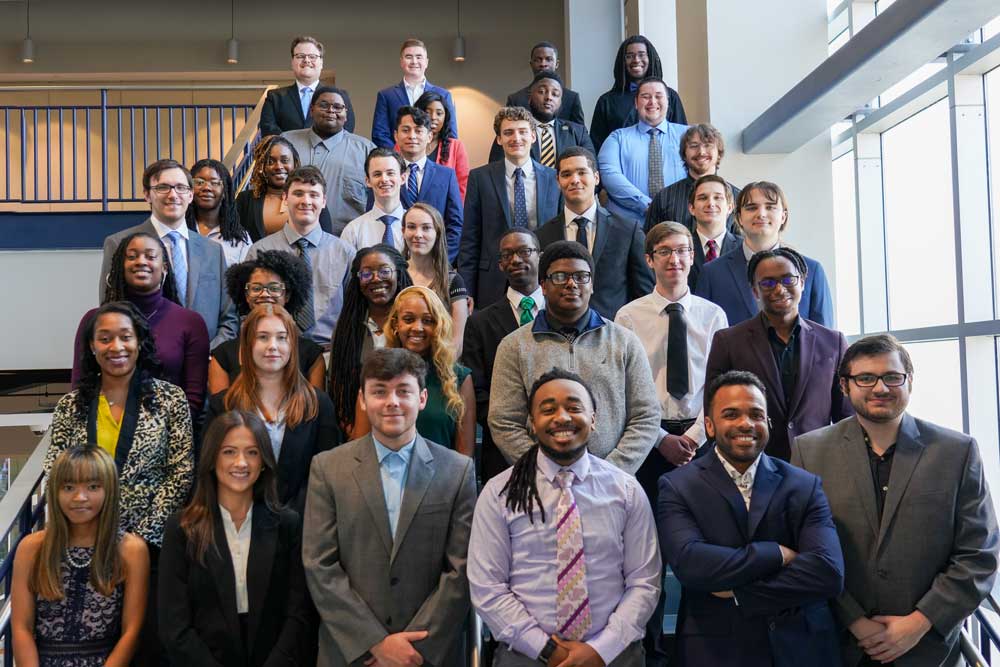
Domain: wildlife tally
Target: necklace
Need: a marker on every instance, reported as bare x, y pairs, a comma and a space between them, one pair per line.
78, 563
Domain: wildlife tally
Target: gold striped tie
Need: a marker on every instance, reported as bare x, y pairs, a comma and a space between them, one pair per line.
548, 152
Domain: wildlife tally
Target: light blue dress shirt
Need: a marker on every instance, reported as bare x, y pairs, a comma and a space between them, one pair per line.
394, 466
624, 166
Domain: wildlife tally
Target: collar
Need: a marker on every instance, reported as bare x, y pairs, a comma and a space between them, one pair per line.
718, 239
162, 228
750, 474
551, 124
226, 516
514, 297
375, 329
645, 127
422, 163
419, 84
662, 302
330, 142
528, 168
291, 235
748, 251
381, 451
549, 468
590, 321
397, 212
771, 331
312, 86
590, 214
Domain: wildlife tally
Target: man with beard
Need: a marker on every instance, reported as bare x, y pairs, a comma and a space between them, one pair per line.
554, 134
545, 58
563, 561
913, 513
753, 543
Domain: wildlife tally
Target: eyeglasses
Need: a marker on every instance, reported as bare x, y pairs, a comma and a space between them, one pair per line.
150, 255
383, 273
256, 289
303, 57
165, 188
870, 379
561, 277
524, 253
771, 283
665, 253
202, 182
326, 106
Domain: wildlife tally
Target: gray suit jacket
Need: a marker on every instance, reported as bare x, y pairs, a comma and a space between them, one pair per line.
206, 285
935, 548
367, 585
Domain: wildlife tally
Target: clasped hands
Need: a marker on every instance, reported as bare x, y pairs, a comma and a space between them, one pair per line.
397, 650
886, 638
677, 449
574, 654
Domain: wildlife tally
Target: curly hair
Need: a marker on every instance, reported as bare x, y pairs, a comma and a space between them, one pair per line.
622, 78
229, 220
258, 179
116, 287
444, 134
147, 365
290, 268
439, 251
348, 339
441, 353
513, 114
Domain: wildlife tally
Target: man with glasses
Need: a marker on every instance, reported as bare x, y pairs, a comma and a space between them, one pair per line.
288, 108
913, 514
616, 244
197, 264
568, 333
796, 358
337, 153
328, 258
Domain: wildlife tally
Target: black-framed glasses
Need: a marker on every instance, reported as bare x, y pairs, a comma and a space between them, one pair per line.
202, 182
256, 289
868, 380
383, 273
164, 188
665, 253
785, 281
303, 57
562, 277
336, 106
524, 253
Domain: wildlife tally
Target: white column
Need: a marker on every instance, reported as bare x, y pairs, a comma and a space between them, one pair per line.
593, 33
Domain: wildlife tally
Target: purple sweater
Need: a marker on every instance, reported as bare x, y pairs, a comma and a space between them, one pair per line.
181, 344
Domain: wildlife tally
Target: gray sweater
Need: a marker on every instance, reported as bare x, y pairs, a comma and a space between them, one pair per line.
612, 363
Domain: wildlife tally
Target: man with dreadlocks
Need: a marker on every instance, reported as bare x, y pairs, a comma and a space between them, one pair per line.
563, 559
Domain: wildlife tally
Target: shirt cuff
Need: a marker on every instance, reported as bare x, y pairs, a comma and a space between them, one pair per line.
607, 645
531, 642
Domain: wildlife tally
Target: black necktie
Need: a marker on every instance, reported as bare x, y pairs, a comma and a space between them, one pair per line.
677, 352
581, 232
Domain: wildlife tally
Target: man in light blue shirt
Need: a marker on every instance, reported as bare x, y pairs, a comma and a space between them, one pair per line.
636, 162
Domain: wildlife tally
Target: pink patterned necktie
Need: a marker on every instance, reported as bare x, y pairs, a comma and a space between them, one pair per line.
572, 602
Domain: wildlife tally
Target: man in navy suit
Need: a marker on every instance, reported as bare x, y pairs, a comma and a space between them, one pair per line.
762, 212
753, 543
545, 58
288, 108
798, 360
427, 181
197, 264
617, 244
710, 204
498, 198
414, 61
554, 134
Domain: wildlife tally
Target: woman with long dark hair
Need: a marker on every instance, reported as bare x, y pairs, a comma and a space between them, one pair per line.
636, 59
140, 274
212, 212
232, 586
444, 148
81, 561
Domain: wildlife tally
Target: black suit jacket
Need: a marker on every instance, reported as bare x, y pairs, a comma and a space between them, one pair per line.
197, 603
298, 448
618, 247
251, 215
729, 242
567, 134
282, 111
571, 108
484, 330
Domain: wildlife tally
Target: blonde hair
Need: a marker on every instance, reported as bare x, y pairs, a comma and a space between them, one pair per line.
84, 463
441, 353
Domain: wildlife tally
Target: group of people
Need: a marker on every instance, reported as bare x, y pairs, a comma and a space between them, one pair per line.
270, 453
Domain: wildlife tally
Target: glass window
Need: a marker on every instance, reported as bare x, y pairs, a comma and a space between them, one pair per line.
919, 220
992, 28
912, 80
846, 245
937, 383
992, 83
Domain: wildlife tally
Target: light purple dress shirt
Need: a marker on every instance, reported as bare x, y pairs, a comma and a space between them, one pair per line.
512, 561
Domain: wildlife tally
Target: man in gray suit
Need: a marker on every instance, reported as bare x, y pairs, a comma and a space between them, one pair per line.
913, 513
196, 262
386, 536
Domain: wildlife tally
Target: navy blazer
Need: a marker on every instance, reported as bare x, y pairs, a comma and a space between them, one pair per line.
487, 216
619, 247
570, 110
725, 283
389, 101
780, 615
567, 134
282, 111
730, 242
439, 188
817, 401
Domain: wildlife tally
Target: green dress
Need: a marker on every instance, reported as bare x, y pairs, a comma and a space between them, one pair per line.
434, 423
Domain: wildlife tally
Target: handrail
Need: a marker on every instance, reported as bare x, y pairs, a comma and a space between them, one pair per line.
970, 653
246, 134
22, 487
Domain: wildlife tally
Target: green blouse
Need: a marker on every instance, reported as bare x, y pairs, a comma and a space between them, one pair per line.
434, 423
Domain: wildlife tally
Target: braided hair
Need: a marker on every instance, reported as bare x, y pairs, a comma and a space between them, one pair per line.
349, 337
116, 288
621, 75
522, 487
258, 179
290, 268
792, 255
230, 229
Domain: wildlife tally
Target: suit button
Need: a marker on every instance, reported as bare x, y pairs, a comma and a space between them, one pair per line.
394, 581
770, 626
791, 425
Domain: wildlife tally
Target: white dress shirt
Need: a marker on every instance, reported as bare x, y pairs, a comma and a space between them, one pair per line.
366, 230
414, 92
742, 480
422, 163
591, 215
718, 241
514, 297
238, 542
162, 229
748, 252
647, 318
529, 190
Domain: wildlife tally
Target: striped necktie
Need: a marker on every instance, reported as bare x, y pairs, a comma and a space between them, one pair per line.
411, 191
572, 601
548, 151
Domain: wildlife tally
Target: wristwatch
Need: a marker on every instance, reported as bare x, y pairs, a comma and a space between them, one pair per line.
547, 651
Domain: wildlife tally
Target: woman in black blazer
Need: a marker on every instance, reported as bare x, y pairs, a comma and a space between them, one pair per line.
232, 587
299, 420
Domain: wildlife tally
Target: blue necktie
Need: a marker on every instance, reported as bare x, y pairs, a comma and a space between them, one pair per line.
178, 262
410, 195
520, 203
388, 221
307, 95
